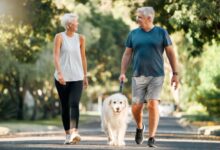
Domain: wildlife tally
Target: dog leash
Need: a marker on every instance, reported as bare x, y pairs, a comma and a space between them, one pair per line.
121, 86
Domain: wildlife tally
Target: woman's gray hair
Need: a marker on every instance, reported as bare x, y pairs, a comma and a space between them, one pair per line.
147, 11
68, 17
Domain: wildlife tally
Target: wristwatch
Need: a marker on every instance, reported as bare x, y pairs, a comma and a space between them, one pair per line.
175, 73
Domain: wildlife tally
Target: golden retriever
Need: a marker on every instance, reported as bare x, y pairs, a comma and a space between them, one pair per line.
114, 118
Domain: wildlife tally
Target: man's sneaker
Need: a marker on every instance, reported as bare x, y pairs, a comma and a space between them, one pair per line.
151, 142
139, 136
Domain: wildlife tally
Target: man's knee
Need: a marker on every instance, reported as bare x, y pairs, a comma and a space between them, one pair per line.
137, 108
152, 104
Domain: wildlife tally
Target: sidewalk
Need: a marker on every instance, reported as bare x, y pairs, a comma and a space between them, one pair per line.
170, 136
169, 127
99, 142
24, 128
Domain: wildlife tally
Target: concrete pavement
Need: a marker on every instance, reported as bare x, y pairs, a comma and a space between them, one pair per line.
94, 142
171, 136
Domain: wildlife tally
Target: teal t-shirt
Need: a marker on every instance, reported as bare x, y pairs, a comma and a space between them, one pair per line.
148, 48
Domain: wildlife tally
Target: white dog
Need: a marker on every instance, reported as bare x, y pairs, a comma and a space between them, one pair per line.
115, 118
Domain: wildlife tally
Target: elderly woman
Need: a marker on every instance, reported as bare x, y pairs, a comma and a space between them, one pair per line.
70, 74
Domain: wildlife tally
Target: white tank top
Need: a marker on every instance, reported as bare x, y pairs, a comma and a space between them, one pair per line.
70, 58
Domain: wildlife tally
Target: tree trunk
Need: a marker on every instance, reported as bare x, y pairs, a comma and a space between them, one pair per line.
20, 94
34, 115
20, 115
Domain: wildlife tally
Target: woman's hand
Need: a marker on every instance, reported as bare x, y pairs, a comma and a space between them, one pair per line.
85, 82
61, 79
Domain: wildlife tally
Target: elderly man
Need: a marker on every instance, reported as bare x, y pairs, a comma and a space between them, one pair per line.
145, 45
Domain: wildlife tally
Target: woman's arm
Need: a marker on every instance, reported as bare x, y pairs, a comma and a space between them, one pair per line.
84, 61
56, 54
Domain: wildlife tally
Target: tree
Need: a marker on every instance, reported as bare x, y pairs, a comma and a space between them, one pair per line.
199, 24
105, 38
24, 33
208, 92
211, 99
198, 19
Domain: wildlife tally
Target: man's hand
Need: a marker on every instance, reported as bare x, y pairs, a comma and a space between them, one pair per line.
122, 77
175, 81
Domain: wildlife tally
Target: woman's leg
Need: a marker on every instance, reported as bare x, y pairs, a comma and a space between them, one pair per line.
65, 108
75, 88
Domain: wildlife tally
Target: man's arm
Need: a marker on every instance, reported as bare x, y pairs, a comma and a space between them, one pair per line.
125, 62
173, 63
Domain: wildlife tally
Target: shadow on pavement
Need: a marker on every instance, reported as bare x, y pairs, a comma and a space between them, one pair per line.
163, 144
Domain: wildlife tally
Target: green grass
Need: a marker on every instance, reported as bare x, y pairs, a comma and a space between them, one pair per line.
201, 118
84, 118
54, 121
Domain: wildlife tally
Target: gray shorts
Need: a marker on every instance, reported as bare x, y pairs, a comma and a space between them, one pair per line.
145, 88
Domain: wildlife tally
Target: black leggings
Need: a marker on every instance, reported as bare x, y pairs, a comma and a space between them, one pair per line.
70, 95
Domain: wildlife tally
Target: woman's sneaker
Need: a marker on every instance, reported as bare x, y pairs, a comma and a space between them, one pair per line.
72, 138
68, 139
75, 138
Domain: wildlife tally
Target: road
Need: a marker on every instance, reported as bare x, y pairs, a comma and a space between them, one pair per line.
171, 136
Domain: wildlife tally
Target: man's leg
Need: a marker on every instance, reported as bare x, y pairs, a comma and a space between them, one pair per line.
152, 97
139, 85
153, 121
137, 111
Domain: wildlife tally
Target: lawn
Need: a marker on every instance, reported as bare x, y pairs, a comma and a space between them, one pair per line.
84, 118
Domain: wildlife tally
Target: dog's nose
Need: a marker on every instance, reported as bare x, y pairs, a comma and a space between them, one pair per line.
117, 109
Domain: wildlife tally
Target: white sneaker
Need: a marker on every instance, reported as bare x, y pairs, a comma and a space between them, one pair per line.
72, 138
75, 138
68, 139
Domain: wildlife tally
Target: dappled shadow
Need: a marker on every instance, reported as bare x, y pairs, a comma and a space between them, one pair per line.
96, 143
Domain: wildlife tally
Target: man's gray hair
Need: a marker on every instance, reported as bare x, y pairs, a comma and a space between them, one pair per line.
68, 17
147, 11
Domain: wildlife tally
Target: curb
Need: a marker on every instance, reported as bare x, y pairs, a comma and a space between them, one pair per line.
205, 130
4, 131
209, 130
